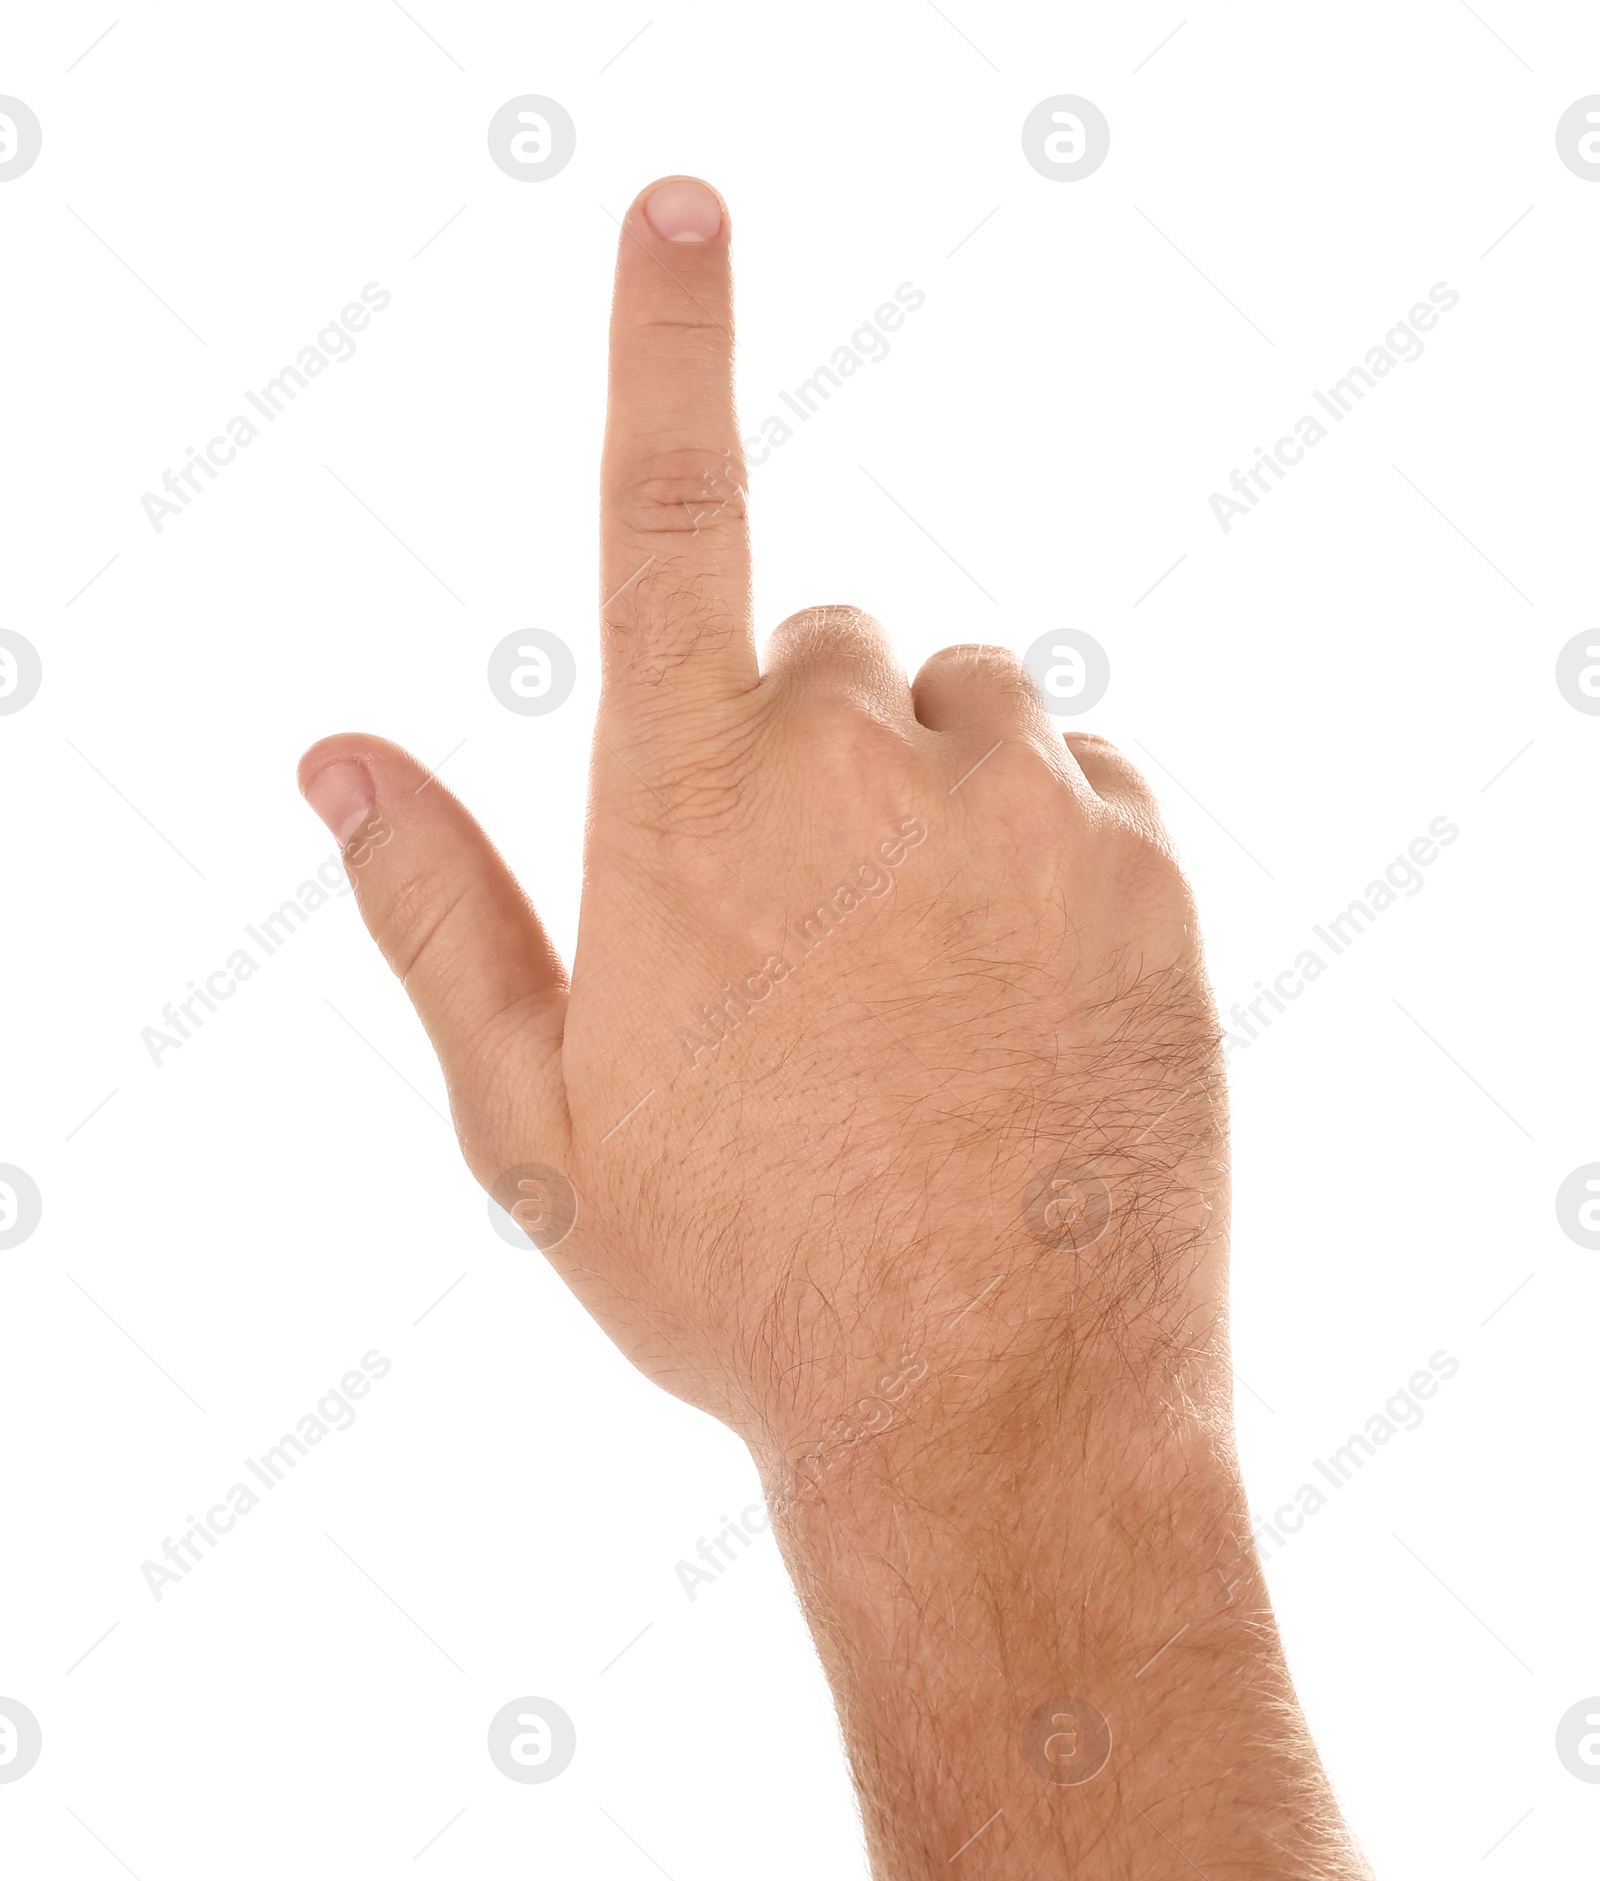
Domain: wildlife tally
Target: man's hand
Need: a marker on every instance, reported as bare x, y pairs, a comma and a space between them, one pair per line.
882, 1118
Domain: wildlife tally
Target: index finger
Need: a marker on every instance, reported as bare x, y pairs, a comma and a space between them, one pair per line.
675, 550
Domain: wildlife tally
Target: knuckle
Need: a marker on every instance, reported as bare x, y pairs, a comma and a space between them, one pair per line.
826, 617
980, 653
684, 492
831, 632
995, 669
1101, 755
1102, 748
1146, 860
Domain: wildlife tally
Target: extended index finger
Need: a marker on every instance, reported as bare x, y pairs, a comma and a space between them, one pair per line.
675, 551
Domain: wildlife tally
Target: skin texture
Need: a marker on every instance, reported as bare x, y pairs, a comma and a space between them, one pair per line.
887, 1093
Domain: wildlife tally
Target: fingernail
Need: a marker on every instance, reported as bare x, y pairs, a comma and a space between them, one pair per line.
342, 795
683, 212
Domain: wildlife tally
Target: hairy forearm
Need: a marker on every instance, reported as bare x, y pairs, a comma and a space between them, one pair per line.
1052, 1652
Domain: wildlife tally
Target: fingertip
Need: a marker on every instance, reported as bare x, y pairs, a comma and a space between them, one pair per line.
338, 786
388, 762
344, 776
337, 749
682, 209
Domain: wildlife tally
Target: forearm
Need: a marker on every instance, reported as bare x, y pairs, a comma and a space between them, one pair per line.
954, 1597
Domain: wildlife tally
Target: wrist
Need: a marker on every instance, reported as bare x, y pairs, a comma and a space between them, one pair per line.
1048, 1622
932, 1422
1071, 1537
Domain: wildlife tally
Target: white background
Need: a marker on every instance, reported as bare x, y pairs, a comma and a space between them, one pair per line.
281, 1195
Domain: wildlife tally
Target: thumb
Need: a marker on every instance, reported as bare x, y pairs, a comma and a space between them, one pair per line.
452, 922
